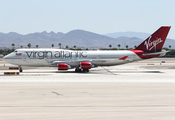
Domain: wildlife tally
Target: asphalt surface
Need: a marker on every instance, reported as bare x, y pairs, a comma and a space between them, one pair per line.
140, 90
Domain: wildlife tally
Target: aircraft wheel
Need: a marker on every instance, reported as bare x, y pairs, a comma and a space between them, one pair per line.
76, 70
85, 70
80, 70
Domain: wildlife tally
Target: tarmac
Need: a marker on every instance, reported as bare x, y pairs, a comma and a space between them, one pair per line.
143, 90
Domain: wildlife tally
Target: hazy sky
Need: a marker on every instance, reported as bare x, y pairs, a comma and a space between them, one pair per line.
99, 16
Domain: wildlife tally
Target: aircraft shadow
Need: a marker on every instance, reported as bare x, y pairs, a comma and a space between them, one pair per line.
138, 72
73, 72
91, 72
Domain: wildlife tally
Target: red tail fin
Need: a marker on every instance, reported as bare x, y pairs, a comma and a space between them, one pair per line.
155, 42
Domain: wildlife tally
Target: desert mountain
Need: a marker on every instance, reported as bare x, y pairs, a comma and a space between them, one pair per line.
80, 38
128, 34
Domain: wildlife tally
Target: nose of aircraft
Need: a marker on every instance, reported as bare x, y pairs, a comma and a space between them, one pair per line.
6, 58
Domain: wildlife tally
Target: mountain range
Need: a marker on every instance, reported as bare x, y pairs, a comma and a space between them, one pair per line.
128, 34
80, 38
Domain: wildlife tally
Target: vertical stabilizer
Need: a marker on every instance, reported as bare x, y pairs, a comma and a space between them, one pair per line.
155, 42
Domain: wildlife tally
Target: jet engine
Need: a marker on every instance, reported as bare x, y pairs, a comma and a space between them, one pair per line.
85, 65
63, 66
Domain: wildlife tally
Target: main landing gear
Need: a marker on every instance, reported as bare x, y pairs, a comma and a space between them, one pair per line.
78, 70
85, 70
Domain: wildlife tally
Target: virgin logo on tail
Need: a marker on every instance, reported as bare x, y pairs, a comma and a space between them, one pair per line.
150, 45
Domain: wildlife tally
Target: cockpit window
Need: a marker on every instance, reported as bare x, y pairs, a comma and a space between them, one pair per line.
15, 51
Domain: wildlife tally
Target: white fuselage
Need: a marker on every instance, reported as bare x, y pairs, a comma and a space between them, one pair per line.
51, 57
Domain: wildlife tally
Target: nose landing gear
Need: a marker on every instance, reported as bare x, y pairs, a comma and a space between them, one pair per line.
20, 69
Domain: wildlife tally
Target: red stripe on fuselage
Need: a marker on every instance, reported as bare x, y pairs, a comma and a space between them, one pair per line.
123, 58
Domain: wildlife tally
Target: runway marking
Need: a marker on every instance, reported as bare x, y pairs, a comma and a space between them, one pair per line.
125, 69
108, 70
56, 93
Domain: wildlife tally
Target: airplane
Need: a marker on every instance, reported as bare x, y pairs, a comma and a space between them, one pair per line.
82, 61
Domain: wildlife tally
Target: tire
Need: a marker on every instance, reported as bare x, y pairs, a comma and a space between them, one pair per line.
85, 70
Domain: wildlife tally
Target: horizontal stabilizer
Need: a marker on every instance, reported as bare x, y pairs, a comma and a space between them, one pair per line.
162, 53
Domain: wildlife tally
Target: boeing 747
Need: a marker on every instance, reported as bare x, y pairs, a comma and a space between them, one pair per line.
85, 60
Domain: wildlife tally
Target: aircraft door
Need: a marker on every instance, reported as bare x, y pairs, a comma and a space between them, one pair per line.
47, 56
24, 58
47, 59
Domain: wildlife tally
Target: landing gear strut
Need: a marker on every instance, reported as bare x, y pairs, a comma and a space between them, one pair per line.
20, 69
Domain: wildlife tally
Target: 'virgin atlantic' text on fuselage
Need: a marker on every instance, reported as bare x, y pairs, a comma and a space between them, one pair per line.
56, 54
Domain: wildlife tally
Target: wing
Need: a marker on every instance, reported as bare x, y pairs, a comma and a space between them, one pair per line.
77, 62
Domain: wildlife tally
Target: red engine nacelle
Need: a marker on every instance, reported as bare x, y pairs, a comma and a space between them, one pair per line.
63, 66
85, 65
